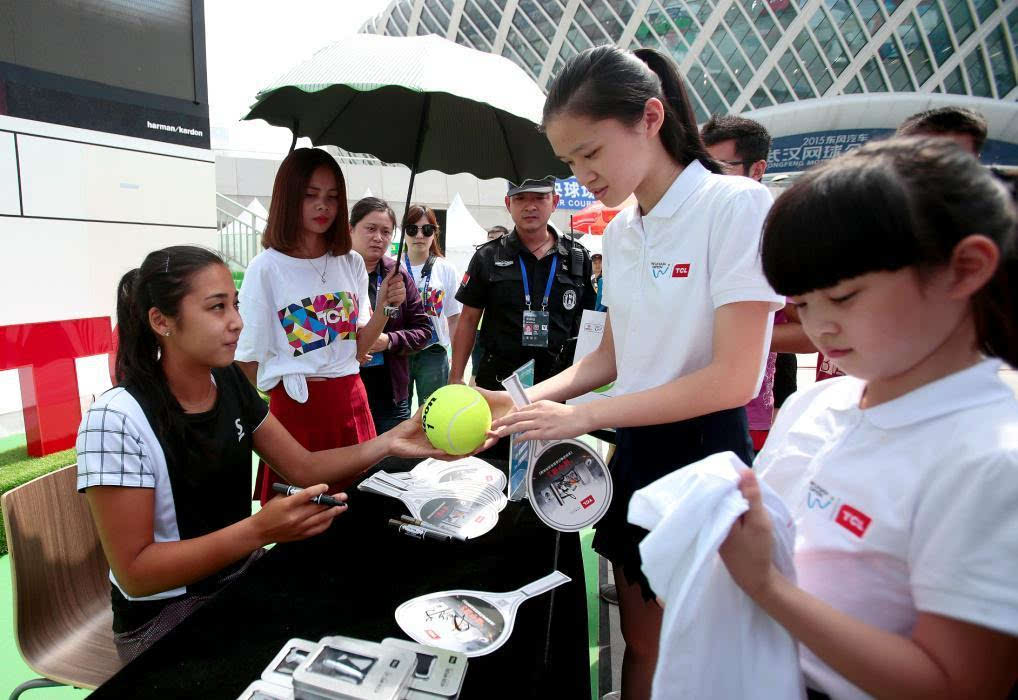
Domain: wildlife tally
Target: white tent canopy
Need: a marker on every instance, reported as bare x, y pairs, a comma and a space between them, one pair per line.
592, 242
462, 234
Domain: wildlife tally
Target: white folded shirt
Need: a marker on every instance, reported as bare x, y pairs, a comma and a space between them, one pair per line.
715, 641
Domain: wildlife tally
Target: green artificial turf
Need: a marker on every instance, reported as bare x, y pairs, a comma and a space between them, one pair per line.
17, 468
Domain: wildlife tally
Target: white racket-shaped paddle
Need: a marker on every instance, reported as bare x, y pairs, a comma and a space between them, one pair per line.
461, 518
468, 468
473, 623
568, 484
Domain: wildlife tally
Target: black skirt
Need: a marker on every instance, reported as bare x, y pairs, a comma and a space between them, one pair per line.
645, 454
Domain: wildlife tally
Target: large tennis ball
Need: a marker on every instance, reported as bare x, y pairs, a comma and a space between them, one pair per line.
456, 419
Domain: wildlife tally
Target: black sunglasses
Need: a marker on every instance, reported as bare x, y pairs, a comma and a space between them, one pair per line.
427, 229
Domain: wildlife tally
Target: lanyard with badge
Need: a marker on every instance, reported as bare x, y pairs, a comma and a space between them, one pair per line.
426, 271
377, 358
535, 323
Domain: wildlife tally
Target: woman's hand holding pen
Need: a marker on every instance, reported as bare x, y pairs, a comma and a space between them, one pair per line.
543, 420
289, 518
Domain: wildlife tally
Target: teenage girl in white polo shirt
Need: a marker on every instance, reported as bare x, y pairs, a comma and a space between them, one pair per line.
689, 310
903, 477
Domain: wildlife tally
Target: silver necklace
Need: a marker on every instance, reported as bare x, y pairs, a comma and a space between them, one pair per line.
324, 269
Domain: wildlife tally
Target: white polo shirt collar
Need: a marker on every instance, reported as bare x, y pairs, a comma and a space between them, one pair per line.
687, 182
975, 386
969, 388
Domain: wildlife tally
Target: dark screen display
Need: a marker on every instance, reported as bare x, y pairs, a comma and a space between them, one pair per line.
143, 45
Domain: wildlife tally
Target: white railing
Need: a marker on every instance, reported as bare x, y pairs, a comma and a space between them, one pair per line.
240, 231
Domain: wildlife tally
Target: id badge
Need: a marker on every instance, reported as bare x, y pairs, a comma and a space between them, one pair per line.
535, 329
434, 330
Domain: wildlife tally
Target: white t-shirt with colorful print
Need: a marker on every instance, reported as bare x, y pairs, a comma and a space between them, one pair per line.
296, 325
439, 295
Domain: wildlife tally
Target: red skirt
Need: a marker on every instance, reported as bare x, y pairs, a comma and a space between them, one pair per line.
759, 437
336, 415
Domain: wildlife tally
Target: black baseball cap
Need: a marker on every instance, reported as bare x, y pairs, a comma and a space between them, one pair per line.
545, 185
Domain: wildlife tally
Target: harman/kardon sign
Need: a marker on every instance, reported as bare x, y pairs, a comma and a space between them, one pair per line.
174, 129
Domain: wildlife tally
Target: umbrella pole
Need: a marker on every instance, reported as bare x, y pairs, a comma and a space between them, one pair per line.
296, 128
421, 128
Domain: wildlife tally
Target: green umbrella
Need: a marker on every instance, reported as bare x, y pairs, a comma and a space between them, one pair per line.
425, 102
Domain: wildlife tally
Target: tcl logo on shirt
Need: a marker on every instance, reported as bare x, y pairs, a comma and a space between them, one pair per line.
829, 506
855, 521
680, 270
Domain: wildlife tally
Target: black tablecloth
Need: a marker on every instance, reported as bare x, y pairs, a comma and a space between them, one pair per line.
349, 581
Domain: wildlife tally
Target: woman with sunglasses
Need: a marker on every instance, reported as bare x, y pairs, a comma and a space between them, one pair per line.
436, 281
386, 369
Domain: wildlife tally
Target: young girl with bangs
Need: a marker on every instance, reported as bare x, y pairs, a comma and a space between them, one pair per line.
689, 310
307, 319
902, 477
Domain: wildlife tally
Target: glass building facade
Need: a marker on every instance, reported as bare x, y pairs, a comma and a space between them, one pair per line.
742, 55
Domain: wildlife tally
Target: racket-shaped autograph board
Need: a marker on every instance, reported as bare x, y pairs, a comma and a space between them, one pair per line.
568, 484
464, 519
473, 623
467, 490
467, 469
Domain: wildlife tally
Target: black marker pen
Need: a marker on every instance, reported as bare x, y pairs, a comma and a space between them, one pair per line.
418, 523
322, 499
418, 532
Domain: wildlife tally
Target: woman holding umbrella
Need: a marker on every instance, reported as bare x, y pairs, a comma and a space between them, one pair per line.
306, 320
386, 374
436, 280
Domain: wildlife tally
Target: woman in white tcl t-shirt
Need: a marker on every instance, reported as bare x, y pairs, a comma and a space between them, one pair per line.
305, 310
689, 310
902, 478
436, 280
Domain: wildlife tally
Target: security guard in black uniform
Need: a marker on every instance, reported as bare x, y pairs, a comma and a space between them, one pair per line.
532, 286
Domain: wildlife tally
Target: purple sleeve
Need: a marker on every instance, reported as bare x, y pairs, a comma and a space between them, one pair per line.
412, 329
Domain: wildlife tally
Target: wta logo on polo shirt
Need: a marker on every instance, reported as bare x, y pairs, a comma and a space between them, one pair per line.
833, 508
660, 269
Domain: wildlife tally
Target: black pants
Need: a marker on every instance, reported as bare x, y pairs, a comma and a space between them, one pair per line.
647, 453
785, 381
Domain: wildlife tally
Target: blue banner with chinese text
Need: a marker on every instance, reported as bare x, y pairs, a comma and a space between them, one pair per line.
572, 195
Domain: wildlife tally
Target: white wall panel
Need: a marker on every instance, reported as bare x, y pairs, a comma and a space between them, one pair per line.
53, 270
359, 179
82, 181
255, 176
8, 176
466, 185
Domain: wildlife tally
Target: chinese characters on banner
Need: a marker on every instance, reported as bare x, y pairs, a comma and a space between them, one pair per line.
572, 195
798, 152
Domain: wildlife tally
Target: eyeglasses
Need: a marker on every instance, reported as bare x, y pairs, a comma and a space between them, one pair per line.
736, 163
427, 230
